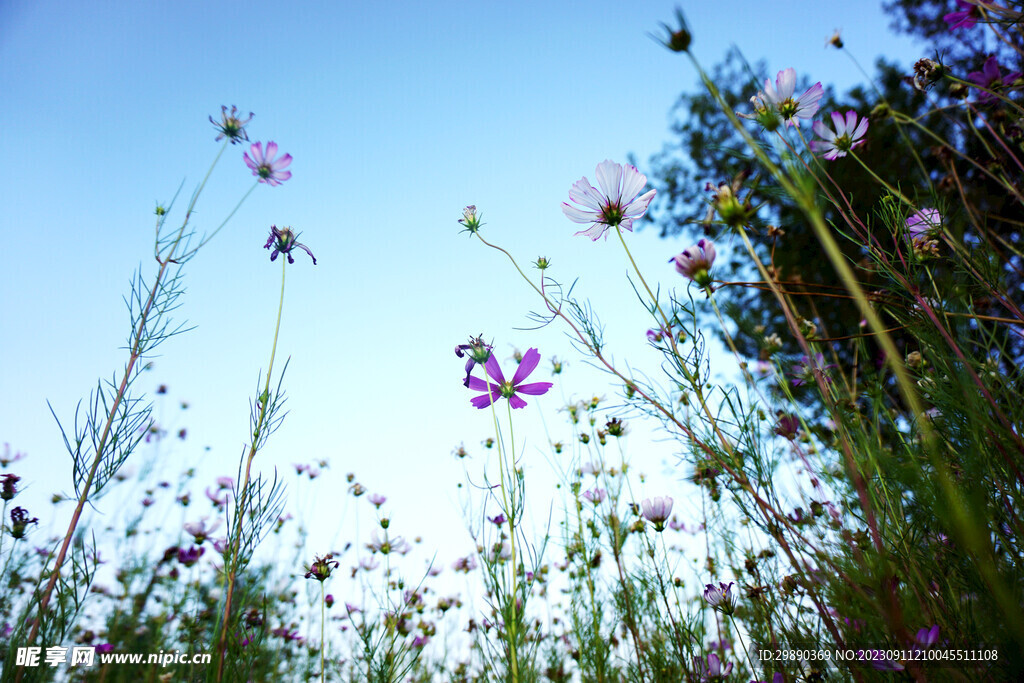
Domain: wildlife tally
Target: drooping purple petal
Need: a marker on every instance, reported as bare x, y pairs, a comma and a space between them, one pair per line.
516, 402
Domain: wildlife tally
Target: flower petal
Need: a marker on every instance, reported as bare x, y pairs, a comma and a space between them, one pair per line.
785, 81
493, 368
632, 182
578, 215
534, 388
516, 402
609, 177
527, 365
484, 400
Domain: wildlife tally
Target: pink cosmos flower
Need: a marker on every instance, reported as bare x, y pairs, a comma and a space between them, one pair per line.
848, 134
781, 97
615, 204
199, 530
695, 262
506, 389
991, 80
657, 510
269, 170
966, 17
923, 223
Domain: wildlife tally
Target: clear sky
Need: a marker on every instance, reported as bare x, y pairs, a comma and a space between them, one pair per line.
397, 115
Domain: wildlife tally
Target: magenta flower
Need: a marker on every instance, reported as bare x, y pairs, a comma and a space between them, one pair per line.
615, 205
990, 80
477, 351
283, 241
19, 522
269, 170
189, 556
506, 389
923, 223
848, 134
695, 262
781, 97
657, 510
966, 17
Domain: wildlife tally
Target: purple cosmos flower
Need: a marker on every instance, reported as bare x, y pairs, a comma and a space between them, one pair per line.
231, 126
776, 678
657, 510
505, 389
596, 496
615, 204
991, 80
720, 597
283, 241
497, 520
927, 637
923, 223
695, 262
376, 500
269, 170
848, 134
477, 351
781, 97
966, 17
189, 556
711, 669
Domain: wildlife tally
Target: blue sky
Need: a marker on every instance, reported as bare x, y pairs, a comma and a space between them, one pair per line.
396, 119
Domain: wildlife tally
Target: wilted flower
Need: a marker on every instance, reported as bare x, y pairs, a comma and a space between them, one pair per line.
268, 169
966, 17
848, 134
508, 389
471, 219
230, 125
322, 567
695, 262
803, 371
7, 488
720, 597
19, 521
657, 510
926, 72
283, 241
781, 97
200, 531
615, 204
991, 80
787, 426
476, 352
497, 520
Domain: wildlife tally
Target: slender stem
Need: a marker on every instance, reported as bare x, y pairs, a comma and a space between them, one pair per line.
232, 565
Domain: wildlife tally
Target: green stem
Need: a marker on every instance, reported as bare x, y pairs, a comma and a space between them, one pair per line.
264, 400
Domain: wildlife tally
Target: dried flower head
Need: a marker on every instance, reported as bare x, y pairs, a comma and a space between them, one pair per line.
231, 126
283, 241
322, 567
